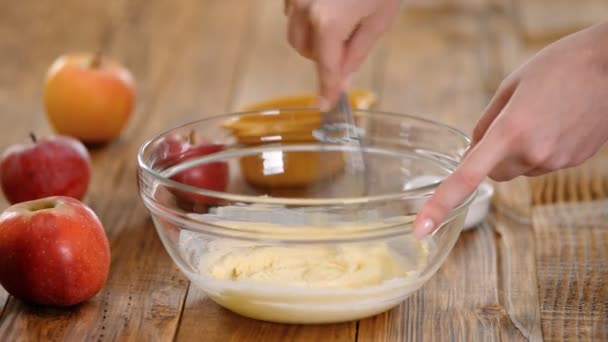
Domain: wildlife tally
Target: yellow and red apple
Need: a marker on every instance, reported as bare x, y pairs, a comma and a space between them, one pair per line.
89, 96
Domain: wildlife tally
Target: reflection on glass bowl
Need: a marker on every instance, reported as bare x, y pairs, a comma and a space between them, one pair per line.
283, 239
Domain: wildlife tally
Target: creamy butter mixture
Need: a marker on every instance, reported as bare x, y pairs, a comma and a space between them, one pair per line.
311, 266
306, 283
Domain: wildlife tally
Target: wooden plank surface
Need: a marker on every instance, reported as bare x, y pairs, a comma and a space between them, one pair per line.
431, 69
426, 59
550, 19
21, 76
504, 48
459, 303
587, 182
535, 270
571, 253
144, 294
517, 289
268, 67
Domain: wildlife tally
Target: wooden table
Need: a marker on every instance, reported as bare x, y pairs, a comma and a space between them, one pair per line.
537, 269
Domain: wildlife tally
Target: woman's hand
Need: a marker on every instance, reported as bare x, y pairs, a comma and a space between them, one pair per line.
550, 114
337, 35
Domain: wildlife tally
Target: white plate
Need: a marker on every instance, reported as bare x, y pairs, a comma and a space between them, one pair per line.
480, 207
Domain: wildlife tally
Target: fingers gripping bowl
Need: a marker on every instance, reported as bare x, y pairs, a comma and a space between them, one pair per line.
256, 212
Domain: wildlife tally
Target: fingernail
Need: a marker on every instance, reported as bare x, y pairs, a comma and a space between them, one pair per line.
424, 229
323, 104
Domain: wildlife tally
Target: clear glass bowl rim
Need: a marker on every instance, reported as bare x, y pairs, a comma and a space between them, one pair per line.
413, 193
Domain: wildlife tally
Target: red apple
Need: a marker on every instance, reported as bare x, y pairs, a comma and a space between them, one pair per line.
176, 149
54, 166
89, 97
53, 251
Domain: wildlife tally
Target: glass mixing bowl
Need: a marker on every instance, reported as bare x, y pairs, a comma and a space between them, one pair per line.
263, 217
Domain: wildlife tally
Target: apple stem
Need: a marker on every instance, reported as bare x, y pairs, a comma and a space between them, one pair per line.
33, 137
96, 61
192, 137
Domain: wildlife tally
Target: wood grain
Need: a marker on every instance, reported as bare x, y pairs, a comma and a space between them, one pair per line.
504, 48
517, 281
460, 303
145, 292
432, 7
29, 50
550, 19
203, 319
514, 199
268, 67
587, 182
422, 73
424, 63
571, 241
536, 270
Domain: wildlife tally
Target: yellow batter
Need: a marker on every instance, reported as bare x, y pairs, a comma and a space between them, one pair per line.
317, 283
308, 284
344, 267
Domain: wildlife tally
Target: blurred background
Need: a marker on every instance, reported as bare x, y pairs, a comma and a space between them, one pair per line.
443, 59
